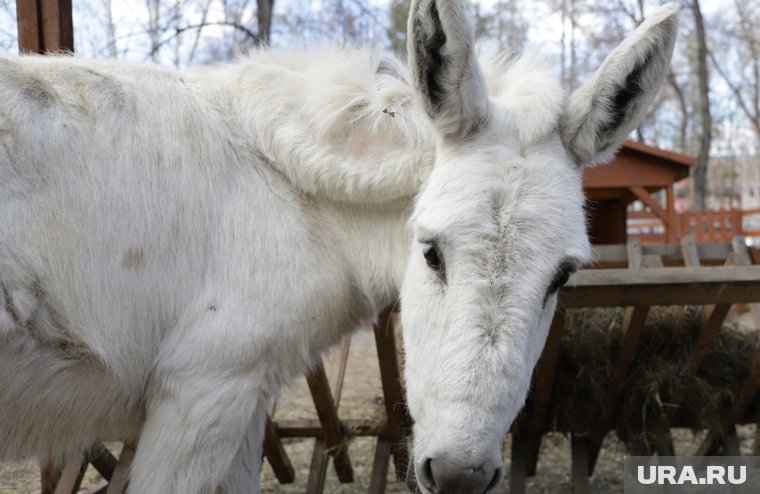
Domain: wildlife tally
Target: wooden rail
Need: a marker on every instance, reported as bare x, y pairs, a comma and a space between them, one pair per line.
704, 226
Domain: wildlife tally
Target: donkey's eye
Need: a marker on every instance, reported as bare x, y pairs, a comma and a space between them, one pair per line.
433, 257
560, 279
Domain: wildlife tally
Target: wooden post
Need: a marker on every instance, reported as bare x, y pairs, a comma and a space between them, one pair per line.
712, 235
673, 228
725, 435
57, 25
518, 468
393, 395
276, 455
580, 461
543, 379
335, 435
380, 465
120, 477
50, 473
633, 324
711, 319
29, 26
664, 216
44, 26
71, 477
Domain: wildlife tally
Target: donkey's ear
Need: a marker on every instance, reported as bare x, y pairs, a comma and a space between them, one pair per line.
446, 73
602, 112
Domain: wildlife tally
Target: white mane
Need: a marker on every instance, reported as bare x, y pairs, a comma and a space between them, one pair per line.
311, 111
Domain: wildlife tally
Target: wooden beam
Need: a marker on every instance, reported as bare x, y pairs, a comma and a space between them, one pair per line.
276, 455
739, 247
690, 252
315, 484
120, 477
518, 467
635, 253
671, 286
633, 325
335, 436
673, 228
331, 433
543, 384
57, 26
340, 370
44, 26
380, 465
711, 319
103, 461
313, 428
580, 462
71, 477
393, 394
723, 435
29, 27
642, 194
615, 256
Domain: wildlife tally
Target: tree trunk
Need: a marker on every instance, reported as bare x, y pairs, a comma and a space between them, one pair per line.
154, 9
682, 129
700, 170
265, 20
110, 29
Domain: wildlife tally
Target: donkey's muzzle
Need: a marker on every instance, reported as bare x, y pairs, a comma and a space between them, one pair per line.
442, 475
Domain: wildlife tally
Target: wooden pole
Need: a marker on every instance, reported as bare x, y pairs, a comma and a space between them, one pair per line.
44, 26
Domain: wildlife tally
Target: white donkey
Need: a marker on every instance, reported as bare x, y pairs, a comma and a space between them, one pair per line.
174, 248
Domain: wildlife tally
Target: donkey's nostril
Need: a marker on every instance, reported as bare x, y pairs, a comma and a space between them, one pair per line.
447, 475
426, 475
495, 481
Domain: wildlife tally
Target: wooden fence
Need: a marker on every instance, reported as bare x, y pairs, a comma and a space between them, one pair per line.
705, 226
713, 276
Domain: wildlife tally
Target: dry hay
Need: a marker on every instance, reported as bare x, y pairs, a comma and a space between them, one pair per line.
663, 365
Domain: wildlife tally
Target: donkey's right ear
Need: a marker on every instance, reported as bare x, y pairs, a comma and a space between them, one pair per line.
441, 46
601, 113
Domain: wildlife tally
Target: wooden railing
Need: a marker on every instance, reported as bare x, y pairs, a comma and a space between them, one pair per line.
705, 226
637, 277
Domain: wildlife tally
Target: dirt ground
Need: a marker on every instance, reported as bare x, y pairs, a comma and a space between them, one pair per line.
362, 397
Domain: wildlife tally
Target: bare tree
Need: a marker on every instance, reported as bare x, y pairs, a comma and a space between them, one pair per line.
264, 14
703, 157
110, 28
399, 12
154, 10
744, 79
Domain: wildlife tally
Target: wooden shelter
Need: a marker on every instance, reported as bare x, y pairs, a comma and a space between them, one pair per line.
637, 172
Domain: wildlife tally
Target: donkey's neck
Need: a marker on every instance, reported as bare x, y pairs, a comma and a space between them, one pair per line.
375, 241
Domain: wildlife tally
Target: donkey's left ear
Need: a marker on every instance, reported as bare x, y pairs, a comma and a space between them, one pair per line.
441, 45
601, 113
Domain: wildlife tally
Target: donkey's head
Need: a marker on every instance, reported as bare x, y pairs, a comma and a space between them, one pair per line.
499, 228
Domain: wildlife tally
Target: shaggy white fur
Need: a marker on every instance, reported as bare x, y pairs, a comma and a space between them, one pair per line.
174, 248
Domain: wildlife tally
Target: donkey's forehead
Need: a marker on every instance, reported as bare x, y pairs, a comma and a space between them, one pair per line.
527, 93
477, 191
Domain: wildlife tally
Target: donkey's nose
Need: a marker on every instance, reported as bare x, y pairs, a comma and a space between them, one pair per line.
443, 476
